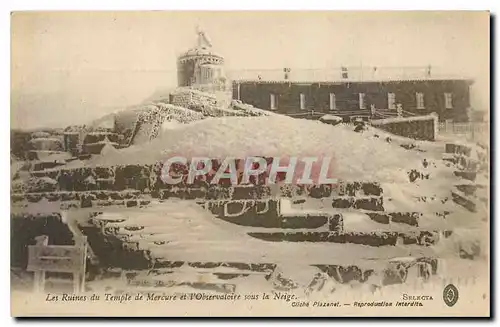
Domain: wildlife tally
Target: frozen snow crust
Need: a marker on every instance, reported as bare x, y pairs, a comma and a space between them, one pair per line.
346, 234
357, 156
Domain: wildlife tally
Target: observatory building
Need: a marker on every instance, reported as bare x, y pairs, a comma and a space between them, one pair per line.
201, 68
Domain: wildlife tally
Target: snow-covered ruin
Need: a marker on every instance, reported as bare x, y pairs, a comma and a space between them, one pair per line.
403, 209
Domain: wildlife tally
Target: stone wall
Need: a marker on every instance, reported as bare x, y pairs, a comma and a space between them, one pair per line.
250, 205
19, 144
248, 109
142, 177
150, 120
471, 193
255, 208
186, 97
206, 103
419, 128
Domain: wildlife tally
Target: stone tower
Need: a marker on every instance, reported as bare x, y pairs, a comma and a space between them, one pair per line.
201, 68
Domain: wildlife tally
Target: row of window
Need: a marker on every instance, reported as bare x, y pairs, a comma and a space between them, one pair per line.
391, 101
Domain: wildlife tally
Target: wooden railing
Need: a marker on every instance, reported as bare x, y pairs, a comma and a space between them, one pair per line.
43, 258
474, 131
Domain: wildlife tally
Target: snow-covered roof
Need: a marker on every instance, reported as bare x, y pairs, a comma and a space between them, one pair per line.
347, 80
346, 75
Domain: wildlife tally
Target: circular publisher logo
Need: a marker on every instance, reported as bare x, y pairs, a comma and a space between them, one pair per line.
450, 295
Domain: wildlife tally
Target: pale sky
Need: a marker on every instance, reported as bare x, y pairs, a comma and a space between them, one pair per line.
68, 68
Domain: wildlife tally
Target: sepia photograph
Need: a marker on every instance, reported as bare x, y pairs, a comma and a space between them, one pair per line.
250, 163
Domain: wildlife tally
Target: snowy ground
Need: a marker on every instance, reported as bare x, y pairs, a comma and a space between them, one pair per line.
193, 234
356, 156
183, 231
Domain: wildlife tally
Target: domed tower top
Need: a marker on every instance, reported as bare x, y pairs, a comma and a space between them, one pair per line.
201, 67
203, 50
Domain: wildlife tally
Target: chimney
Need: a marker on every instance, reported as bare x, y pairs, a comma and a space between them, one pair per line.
345, 73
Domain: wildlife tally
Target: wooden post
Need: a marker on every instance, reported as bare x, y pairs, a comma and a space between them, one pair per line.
39, 275
84, 263
79, 277
58, 258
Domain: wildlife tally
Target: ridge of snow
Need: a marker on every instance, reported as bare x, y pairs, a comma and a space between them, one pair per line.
402, 119
355, 155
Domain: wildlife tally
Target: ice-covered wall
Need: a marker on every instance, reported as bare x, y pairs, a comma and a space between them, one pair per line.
186, 97
419, 128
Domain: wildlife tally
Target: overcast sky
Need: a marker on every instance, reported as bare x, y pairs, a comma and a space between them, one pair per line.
71, 67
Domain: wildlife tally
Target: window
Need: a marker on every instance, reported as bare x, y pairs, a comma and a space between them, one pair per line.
333, 102
420, 100
302, 101
362, 104
345, 73
272, 105
391, 101
448, 101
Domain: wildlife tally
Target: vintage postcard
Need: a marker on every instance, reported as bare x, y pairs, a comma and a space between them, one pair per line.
250, 164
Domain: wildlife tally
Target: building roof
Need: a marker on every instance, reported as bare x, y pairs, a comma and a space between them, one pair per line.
343, 75
200, 51
347, 80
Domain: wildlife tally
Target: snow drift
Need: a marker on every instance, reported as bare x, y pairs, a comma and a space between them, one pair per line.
355, 155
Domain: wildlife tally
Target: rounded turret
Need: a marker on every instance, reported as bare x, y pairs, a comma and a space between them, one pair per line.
201, 67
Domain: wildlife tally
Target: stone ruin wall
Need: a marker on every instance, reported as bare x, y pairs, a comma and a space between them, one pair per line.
419, 128
248, 206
